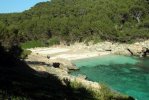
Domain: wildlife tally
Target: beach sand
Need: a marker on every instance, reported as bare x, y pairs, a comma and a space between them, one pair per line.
74, 52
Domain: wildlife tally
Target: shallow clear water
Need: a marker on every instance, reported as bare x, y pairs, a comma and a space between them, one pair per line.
129, 75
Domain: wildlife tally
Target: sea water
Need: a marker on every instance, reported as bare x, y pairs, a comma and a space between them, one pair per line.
128, 75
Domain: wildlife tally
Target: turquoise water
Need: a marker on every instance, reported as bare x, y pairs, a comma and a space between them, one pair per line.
128, 75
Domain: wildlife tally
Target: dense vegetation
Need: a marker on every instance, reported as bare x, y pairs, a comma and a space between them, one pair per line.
77, 20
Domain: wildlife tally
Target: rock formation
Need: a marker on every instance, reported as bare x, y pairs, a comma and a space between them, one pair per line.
145, 52
136, 49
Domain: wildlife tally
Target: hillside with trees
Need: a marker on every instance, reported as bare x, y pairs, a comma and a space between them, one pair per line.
77, 20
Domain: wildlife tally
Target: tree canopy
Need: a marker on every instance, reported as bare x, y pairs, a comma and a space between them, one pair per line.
78, 20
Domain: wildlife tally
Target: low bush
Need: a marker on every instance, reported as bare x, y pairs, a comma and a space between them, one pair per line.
53, 41
25, 53
32, 44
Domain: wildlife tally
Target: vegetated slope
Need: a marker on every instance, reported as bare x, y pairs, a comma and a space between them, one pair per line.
78, 20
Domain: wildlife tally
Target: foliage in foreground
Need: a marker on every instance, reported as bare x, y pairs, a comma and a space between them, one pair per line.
104, 93
78, 20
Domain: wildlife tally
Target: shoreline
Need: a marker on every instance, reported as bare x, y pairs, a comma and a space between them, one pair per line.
82, 51
64, 56
68, 52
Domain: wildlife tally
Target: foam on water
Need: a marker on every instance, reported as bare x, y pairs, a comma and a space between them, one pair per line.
129, 75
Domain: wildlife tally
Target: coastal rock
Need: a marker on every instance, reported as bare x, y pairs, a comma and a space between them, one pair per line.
145, 52
56, 65
86, 83
121, 52
82, 76
65, 64
135, 49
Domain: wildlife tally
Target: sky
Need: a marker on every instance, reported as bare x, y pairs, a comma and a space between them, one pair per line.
10, 6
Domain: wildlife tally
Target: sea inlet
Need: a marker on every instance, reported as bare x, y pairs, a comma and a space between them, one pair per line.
125, 74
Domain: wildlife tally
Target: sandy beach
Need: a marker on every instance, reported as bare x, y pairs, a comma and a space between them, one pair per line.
69, 53
82, 51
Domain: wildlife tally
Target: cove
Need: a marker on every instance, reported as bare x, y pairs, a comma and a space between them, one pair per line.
128, 75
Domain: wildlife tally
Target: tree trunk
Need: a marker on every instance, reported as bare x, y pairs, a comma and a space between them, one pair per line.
138, 19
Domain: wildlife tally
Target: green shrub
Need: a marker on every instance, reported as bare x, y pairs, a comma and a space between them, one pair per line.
25, 53
32, 44
53, 41
145, 24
